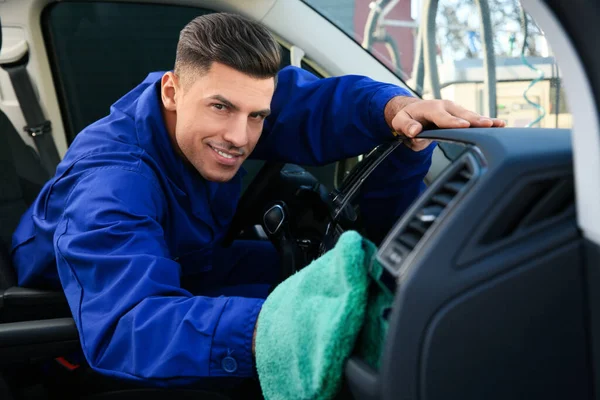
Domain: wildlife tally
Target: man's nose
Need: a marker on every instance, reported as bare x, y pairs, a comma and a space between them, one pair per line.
237, 134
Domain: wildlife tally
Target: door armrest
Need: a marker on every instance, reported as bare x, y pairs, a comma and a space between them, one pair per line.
25, 304
22, 297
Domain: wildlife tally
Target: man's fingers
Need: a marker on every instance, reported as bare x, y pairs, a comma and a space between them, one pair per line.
406, 125
414, 129
474, 119
443, 119
417, 116
498, 123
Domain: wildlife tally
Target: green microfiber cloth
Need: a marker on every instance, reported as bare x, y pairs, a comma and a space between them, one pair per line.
310, 323
372, 335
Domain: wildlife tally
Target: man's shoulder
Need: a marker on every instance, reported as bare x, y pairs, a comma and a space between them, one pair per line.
112, 151
118, 169
109, 186
133, 178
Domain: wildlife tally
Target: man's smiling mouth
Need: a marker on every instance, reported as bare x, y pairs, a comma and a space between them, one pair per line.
223, 153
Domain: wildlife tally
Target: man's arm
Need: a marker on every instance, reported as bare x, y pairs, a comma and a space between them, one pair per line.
317, 121
134, 320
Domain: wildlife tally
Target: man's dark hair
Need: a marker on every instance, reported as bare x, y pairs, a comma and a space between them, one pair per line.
238, 42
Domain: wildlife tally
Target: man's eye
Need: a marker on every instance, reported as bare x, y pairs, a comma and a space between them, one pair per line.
258, 117
219, 106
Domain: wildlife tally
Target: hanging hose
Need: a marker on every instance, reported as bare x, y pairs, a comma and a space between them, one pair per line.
540, 72
426, 50
392, 48
374, 33
429, 52
372, 24
418, 70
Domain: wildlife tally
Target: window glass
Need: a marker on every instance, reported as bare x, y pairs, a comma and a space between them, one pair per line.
100, 51
528, 86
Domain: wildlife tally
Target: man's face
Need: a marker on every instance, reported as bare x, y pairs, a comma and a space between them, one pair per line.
215, 119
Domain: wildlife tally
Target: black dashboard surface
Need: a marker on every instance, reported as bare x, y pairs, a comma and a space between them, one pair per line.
487, 272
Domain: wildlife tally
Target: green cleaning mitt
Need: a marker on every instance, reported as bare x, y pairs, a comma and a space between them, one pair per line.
309, 324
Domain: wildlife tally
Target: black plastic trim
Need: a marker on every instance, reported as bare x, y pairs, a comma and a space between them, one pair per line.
592, 272
362, 379
19, 296
21, 342
24, 304
35, 332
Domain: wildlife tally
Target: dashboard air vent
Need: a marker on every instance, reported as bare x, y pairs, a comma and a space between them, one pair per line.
441, 196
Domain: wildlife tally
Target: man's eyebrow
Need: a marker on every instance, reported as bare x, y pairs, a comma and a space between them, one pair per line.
225, 101
264, 112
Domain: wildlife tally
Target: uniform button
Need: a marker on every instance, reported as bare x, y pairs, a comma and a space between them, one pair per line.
229, 364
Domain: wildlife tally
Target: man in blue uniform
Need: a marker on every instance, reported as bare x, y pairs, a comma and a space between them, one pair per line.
130, 226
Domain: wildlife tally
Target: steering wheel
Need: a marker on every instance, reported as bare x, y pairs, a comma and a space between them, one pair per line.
256, 202
278, 199
252, 200
279, 205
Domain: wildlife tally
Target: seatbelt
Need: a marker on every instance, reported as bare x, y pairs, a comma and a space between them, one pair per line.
38, 127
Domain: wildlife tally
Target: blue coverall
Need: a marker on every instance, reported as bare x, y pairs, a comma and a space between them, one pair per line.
132, 234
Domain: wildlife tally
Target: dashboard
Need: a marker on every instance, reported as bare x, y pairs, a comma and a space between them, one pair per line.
486, 273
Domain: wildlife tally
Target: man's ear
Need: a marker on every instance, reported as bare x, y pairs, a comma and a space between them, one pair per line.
169, 85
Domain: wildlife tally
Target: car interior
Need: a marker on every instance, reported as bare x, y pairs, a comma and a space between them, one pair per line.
493, 267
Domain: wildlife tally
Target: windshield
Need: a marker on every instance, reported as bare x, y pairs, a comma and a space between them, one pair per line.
488, 56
